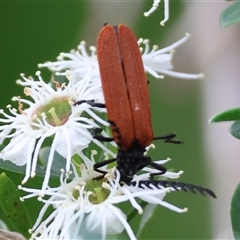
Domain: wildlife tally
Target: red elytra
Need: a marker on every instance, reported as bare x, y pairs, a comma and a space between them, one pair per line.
124, 86
126, 96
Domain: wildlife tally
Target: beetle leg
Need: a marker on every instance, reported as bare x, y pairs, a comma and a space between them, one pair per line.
91, 103
168, 138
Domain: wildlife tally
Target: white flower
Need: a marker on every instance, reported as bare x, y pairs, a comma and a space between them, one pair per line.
78, 63
50, 114
155, 6
159, 60
88, 207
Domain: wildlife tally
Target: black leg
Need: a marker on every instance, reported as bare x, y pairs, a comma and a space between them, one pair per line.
95, 135
159, 167
96, 167
168, 138
91, 103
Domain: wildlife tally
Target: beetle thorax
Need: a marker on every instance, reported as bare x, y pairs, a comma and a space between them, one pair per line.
131, 161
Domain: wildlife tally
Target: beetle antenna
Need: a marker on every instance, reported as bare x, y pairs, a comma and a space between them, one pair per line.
175, 185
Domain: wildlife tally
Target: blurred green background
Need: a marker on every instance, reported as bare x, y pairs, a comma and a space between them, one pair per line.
35, 32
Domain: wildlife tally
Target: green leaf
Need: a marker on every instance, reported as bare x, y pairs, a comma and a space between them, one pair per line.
12, 206
230, 15
235, 129
235, 213
229, 115
58, 163
9, 166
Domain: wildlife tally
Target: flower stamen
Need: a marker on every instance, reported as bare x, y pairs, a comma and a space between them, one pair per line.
55, 117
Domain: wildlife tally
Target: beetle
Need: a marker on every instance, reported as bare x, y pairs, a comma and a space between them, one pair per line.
125, 90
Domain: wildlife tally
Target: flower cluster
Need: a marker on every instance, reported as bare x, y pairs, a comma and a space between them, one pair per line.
157, 62
84, 206
48, 116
